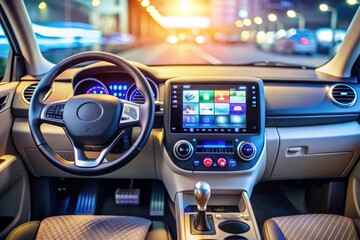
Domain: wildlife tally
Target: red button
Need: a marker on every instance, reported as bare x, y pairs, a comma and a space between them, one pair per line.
207, 162
221, 162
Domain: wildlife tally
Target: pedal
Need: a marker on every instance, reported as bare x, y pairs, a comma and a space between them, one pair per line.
157, 200
127, 196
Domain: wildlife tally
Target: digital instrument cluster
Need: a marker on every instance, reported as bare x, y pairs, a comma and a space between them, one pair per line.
122, 89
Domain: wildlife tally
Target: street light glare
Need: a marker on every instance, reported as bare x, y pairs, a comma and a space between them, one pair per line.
324, 7
247, 22
95, 3
239, 23
145, 3
272, 17
42, 5
291, 13
185, 6
352, 2
258, 20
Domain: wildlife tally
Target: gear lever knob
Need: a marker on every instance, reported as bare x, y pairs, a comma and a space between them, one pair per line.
202, 194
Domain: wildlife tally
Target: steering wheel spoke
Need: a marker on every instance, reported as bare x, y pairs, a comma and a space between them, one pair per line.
53, 113
81, 160
130, 115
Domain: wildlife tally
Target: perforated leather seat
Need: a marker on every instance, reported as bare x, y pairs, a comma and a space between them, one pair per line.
91, 227
311, 227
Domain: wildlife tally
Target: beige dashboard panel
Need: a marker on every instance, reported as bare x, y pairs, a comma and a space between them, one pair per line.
142, 167
324, 151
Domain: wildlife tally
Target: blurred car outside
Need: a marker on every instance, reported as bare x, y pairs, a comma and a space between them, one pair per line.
296, 41
324, 37
265, 40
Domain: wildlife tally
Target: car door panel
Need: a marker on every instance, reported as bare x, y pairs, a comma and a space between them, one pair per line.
14, 184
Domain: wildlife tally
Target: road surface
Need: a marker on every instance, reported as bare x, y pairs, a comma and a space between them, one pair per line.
210, 53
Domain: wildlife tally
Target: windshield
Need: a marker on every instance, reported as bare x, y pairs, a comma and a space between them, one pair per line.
165, 32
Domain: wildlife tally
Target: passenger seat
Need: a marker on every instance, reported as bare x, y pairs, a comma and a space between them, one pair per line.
311, 227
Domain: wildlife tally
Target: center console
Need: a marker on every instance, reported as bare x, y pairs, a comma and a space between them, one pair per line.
214, 131
214, 124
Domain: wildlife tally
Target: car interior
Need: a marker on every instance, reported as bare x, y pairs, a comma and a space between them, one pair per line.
75, 164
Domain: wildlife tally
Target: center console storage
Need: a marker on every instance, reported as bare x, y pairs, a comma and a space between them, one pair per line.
214, 124
230, 217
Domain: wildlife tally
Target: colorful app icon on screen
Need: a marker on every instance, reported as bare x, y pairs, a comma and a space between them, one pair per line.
207, 120
191, 96
190, 121
207, 109
238, 96
222, 120
237, 119
237, 108
206, 96
190, 108
221, 96
222, 108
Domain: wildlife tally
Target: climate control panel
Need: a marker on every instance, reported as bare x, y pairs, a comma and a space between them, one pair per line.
215, 154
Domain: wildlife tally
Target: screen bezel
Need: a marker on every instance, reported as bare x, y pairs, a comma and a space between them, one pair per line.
252, 113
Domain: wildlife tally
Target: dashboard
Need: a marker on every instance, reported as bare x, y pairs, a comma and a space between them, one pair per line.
210, 113
117, 84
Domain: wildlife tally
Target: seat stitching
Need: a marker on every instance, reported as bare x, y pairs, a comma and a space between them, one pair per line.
329, 225
298, 225
305, 224
323, 224
333, 229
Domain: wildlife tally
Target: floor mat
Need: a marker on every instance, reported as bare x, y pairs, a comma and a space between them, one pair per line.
268, 201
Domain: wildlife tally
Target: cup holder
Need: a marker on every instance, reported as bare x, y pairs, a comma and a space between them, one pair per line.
234, 227
234, 237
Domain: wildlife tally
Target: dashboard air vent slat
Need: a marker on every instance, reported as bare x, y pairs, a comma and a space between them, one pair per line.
137, 97
28, 92
343, 95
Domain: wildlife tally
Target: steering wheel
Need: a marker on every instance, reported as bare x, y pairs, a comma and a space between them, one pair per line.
92, 121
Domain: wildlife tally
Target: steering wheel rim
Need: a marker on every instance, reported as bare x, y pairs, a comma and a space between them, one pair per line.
145, 117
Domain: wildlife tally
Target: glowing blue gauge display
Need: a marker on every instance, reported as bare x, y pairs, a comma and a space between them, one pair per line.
97, 90
118, 90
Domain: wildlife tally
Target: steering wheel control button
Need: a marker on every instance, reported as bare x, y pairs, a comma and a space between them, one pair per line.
130, 113
55, 111
246, 150
183, 150
221, 162
207, 162
89, 111
232, 163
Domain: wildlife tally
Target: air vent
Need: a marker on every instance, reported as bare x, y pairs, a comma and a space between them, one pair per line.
137, 97
342, 95
28, 92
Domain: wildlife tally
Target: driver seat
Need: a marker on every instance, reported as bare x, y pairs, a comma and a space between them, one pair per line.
91, 227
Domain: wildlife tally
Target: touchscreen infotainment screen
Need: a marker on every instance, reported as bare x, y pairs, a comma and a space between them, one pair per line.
209, 108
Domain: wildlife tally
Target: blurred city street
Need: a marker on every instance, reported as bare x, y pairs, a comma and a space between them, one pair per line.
214, 53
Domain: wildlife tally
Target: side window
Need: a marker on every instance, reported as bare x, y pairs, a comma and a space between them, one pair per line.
4, 51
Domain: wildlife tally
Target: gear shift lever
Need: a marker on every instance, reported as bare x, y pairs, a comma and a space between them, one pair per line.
202, 194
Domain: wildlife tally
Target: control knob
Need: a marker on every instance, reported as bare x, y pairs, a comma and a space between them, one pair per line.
183, 150
246, 150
